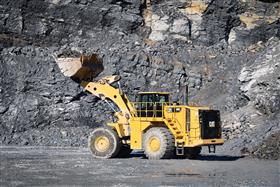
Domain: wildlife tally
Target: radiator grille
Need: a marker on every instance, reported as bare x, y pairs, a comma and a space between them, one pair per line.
210, 124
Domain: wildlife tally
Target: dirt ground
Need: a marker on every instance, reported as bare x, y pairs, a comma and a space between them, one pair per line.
52, 166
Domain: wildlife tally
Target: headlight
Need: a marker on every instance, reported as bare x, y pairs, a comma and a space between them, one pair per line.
169, 110
177, 109
173, 109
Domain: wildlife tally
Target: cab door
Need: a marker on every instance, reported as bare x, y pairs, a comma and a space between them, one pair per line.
146, 105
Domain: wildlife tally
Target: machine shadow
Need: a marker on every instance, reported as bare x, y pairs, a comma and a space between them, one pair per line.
218, 158
138, 154
200, 157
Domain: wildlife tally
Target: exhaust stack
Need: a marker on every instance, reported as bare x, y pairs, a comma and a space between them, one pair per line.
186, 95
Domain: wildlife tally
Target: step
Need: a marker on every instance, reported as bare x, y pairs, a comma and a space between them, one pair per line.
180, 141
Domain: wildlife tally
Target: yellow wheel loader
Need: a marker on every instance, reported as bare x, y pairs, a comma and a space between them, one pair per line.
161, 128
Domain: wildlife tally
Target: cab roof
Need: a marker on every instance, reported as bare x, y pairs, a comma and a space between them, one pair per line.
160, 93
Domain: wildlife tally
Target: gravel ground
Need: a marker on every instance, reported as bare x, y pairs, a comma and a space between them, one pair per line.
52, 166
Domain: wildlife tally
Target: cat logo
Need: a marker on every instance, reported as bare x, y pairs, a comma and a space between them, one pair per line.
211, 124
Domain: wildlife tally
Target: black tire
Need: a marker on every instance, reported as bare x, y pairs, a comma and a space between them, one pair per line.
124, 151
166, 141
192, 152
111, 139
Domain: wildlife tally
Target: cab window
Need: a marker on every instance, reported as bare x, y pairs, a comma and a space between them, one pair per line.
161, 98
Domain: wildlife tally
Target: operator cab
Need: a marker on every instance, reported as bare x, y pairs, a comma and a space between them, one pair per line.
150, 104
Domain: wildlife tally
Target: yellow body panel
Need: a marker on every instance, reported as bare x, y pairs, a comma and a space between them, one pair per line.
136, 131
199, 142
176, 123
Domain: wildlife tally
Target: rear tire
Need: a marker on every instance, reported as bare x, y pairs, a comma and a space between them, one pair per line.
158, 143
104, 142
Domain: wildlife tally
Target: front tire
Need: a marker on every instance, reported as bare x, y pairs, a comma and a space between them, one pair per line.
158, 143
104, 142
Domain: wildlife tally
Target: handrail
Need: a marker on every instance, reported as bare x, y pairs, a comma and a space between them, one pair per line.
151, 109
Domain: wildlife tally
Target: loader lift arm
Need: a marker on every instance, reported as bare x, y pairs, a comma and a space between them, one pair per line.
104, 90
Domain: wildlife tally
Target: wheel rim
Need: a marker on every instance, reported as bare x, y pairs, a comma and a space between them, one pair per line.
154, 144
102, 143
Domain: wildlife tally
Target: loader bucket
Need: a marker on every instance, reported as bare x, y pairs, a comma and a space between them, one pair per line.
83, 68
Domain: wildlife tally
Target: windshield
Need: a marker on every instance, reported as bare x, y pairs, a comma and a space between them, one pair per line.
155, 98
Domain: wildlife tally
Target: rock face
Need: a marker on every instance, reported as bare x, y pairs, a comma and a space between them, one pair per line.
226, 52
260, 82
259, 118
